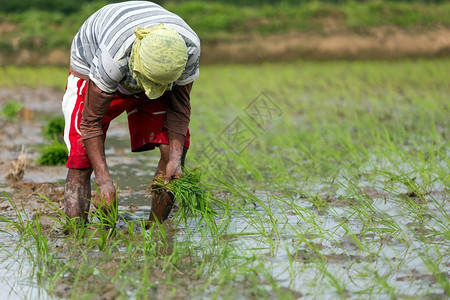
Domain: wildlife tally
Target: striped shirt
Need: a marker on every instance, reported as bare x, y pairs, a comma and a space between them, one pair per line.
102, 47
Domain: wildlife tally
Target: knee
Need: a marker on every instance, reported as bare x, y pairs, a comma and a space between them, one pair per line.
79, 175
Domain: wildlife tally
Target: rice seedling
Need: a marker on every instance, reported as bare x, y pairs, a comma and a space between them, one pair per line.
53, 155
11, 109
193, 198
432, 262
54, 128
343, 195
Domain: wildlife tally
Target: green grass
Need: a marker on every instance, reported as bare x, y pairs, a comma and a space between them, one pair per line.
214, 21
52, 77
341, 191
335, 116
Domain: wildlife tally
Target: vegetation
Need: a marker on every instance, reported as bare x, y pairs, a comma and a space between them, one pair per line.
66, 7
331, 178
193, 199
44, 30
11, 109
335, 178
53, 155
54, 129
46, 5
47, 76
56, 153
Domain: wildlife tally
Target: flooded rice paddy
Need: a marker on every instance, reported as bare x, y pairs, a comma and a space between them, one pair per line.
376, 228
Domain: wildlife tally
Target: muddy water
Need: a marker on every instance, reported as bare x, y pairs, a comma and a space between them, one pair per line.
132, 173
293, 248
15, 282
44, 104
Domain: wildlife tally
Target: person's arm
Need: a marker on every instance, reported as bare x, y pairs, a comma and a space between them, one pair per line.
177, 122
95, 107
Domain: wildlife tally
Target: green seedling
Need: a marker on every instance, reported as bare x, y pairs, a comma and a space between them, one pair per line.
53, 155
11, 109
433, 262
336, 197
193, 199
54, 129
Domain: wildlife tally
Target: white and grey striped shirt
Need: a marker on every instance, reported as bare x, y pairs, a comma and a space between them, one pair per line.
102, 46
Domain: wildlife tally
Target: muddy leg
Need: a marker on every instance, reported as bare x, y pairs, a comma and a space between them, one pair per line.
77, 193
162, 201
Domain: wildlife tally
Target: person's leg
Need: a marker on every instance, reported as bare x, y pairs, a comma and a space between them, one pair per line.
162, 202
77, 193
77, 188
147, 130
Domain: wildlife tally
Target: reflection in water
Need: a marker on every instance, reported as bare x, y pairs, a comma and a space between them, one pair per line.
304, 237
16, 274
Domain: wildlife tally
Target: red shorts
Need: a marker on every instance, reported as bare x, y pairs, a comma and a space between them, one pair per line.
146, 121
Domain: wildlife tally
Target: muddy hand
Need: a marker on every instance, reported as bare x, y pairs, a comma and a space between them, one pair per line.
173, 170
106, 196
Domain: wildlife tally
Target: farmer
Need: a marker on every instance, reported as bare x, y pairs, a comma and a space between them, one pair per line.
135, 57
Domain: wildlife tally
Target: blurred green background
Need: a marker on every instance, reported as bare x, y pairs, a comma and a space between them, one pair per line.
37, 27
74, 6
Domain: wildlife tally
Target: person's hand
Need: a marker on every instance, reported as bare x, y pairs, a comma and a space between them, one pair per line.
173, 170
105, 198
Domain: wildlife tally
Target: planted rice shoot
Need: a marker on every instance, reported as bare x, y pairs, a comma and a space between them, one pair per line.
345, 195
11, 109
54, 128
53, 155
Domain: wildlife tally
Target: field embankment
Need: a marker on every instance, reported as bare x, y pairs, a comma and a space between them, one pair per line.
376, 43
232, 33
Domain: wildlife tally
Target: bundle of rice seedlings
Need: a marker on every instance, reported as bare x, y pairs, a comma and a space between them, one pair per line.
191, 195
53, 155
54, 128
11, 109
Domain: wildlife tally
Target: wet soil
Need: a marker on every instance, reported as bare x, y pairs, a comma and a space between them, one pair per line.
19, 137
39, 190
29, 184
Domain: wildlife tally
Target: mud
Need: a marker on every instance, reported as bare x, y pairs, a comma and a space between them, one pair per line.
25, 182
29, 184
39, 190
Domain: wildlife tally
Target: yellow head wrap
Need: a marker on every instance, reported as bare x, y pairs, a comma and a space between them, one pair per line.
157, 59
